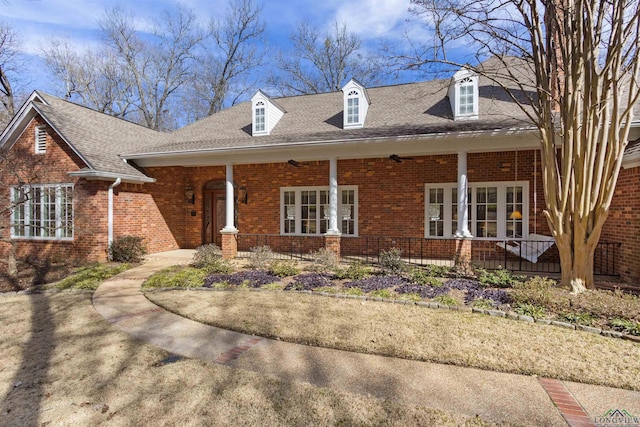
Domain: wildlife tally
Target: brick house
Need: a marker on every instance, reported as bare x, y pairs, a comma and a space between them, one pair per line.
357, 171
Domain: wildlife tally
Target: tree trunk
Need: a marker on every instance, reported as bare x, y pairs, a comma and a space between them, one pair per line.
576, 262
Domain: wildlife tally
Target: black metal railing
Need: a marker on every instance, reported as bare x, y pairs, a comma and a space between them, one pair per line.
529, 256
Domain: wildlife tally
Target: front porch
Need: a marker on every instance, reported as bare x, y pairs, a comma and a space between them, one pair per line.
482, 253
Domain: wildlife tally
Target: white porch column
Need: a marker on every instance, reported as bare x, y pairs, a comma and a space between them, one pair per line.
463, 211
333, 197
229, 202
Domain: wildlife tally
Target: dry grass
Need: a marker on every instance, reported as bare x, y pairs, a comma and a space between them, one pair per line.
62, 364
413, 332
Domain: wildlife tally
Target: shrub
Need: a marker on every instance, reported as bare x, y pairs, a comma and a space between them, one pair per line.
324, 261
483, 303
127, 249
436, 270
250, 279
536, 291
91, 276
500, 278
381, 293
309, 281
446, 300
624, 325
376, 283
209, 258
176, 277
355, 271
260, 257
578, 318
535, 311
284, 268
391, 262
420, 276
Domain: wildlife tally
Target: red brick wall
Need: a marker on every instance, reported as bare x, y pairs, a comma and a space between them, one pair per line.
391, 195
49, 168
623, 224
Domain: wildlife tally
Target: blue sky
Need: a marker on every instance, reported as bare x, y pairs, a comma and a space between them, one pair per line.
38, 21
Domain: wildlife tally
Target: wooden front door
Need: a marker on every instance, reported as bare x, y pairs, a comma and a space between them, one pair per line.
214, 216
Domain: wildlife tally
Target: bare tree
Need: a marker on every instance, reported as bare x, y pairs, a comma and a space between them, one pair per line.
229, 55
10, 67
321, 63
95, 79
157, 68
582, 58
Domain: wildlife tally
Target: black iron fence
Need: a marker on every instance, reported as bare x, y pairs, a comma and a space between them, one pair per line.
530, 256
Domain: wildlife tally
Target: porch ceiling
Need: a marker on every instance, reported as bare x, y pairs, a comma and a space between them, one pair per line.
431, 144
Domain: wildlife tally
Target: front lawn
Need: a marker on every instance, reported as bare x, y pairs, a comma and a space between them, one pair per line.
364, 320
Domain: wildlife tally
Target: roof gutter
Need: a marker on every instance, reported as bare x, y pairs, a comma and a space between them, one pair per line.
108, 176
179, 153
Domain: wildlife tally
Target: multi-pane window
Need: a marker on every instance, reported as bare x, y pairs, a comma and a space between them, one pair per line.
514, 207
494, 210
289, 208
436, 212
41, 139
486, 212
347, 212
260, 115
353, 108
305, 210
42, 211
465, 97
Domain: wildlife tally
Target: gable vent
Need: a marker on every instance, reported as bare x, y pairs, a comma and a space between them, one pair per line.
41, 139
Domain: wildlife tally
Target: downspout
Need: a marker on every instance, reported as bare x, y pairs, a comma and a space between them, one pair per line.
110, 213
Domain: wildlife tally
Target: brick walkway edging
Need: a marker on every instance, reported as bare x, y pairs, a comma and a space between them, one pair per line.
573, 413
495, 313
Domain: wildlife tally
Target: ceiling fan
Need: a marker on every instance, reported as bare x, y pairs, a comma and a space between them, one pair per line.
399, 159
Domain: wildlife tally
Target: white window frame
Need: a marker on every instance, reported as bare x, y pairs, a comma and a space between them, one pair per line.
502, 219
40, 139
260, 105
298, 209
26, 209
353, 108
467, 83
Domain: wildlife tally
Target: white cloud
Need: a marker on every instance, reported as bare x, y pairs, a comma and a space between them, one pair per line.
374, 18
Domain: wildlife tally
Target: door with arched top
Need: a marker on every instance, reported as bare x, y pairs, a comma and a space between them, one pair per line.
214, 212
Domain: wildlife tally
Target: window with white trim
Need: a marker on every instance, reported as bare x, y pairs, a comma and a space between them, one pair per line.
496, 210
466, 101
41, 139
353, 107
260, 115
305, 210
42, 212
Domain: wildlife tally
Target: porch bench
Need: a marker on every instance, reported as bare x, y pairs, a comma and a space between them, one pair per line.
530, 248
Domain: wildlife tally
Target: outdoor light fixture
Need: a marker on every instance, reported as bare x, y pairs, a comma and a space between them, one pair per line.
190, 195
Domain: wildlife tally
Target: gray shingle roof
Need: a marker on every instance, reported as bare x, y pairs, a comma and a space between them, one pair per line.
408, 109
98, 137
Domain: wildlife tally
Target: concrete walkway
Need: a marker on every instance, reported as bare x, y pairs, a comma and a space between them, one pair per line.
494, 396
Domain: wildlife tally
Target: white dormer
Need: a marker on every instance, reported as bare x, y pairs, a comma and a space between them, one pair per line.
463, 94
265, 114
356, 104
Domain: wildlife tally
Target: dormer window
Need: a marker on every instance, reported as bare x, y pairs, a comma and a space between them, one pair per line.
353, 108
41, 140
259, 118
463, 95
466, 97
266, 114
356, 104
